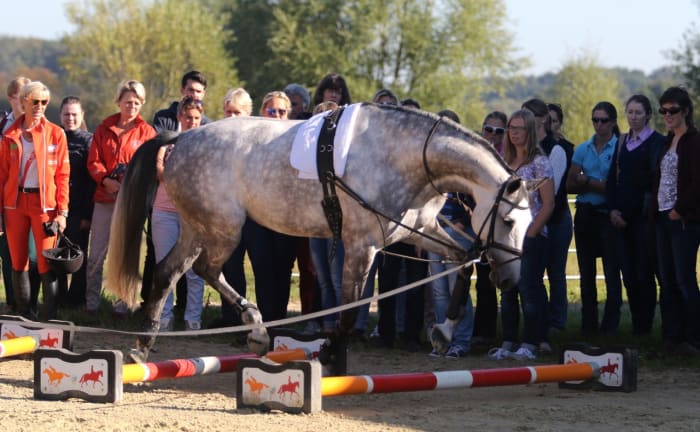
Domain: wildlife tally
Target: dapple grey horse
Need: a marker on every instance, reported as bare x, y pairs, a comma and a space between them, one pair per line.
400, 162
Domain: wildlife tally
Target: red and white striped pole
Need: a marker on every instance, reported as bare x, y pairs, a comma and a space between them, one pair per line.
347, 385
181, 368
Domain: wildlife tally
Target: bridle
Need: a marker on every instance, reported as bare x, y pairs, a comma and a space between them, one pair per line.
490, 219
478, 247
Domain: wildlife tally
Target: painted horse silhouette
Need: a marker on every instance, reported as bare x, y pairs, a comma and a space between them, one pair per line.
400, 163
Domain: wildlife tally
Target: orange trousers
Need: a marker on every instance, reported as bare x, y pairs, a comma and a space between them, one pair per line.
28, 215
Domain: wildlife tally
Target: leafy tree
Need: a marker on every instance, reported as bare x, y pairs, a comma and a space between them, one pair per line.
438, 52
687, 64
154, 42
578, 86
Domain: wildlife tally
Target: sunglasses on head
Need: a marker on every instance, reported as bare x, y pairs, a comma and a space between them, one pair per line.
600, 120
274, 111
496, 130
43, 102
672, 111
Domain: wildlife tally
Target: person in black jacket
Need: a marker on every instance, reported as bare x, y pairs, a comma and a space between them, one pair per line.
629, 187
82, 187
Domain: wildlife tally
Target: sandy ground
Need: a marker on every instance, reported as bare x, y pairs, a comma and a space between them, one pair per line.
665, 400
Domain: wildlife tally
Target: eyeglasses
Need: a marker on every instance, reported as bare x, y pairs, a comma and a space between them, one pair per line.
275, 111
672, 111
597, 120
517, 128
43, 102
492, 129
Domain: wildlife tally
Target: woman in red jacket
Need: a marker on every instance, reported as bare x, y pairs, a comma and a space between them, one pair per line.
34, 179
114, 143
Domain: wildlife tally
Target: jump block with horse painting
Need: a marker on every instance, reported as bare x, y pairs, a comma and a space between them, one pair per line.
584, 367
99, 376
49, 337
400, 165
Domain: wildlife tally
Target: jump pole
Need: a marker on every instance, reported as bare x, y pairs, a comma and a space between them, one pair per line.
297, 386
20, 345
181, 368
366, 384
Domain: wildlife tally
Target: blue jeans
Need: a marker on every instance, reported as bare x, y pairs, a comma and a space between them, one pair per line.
532, 296
559, 240
166, 230
329, 274
442, 291
593, 233
677, 249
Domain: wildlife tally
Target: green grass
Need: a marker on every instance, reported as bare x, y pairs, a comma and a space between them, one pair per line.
650, 347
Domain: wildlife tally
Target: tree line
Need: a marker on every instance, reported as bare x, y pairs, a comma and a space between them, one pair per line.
455, 54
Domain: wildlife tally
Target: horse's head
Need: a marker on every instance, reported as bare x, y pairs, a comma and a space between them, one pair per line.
501, 223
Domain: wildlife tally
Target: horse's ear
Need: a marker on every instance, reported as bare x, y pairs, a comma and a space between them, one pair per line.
533, 185
514, 185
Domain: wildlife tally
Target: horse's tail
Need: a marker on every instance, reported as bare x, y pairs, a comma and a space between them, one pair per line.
134, 203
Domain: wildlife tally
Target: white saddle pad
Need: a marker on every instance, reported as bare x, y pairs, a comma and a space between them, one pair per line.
303, 155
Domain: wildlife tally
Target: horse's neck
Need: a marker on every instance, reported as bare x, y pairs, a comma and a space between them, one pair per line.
474, 167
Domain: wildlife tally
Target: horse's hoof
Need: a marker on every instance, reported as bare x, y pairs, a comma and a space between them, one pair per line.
137, 356
440, 337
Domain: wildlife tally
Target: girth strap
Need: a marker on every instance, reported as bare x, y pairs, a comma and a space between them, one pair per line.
326, 175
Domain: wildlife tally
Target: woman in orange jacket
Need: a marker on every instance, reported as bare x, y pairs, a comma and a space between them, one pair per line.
114, 143
34, 179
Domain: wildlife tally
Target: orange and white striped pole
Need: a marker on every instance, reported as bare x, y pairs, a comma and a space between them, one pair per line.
365, 384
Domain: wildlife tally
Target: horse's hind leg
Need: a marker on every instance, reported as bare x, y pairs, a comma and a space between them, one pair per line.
208, 266
167, 272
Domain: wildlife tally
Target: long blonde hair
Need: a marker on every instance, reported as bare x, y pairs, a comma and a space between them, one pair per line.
533, 147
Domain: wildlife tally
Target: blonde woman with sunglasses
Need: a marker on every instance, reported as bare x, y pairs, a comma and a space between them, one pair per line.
34, 177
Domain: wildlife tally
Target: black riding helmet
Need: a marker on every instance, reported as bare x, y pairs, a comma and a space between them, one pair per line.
66, 258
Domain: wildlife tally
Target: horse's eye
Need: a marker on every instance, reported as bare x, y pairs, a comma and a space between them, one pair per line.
508, 222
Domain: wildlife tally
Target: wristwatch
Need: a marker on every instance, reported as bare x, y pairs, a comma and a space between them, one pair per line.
63, 213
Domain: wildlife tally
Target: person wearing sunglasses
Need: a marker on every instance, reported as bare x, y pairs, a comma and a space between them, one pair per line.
276, 104
114, 143
676, 202
593, 230
486, 314
35, 181
628, 189
272, 254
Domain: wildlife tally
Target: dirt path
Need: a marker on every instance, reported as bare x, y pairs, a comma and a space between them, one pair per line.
668, 400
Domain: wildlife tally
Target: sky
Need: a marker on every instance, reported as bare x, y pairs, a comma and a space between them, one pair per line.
634, 34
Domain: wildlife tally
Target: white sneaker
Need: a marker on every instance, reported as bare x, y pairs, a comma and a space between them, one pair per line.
193, 325
499, 354
523, 354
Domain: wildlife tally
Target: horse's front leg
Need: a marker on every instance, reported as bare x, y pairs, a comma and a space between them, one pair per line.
442, 333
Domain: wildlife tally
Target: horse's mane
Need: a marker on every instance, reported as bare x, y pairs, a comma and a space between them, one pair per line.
473, 137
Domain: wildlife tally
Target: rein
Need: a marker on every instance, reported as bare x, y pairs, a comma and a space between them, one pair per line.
477, 245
